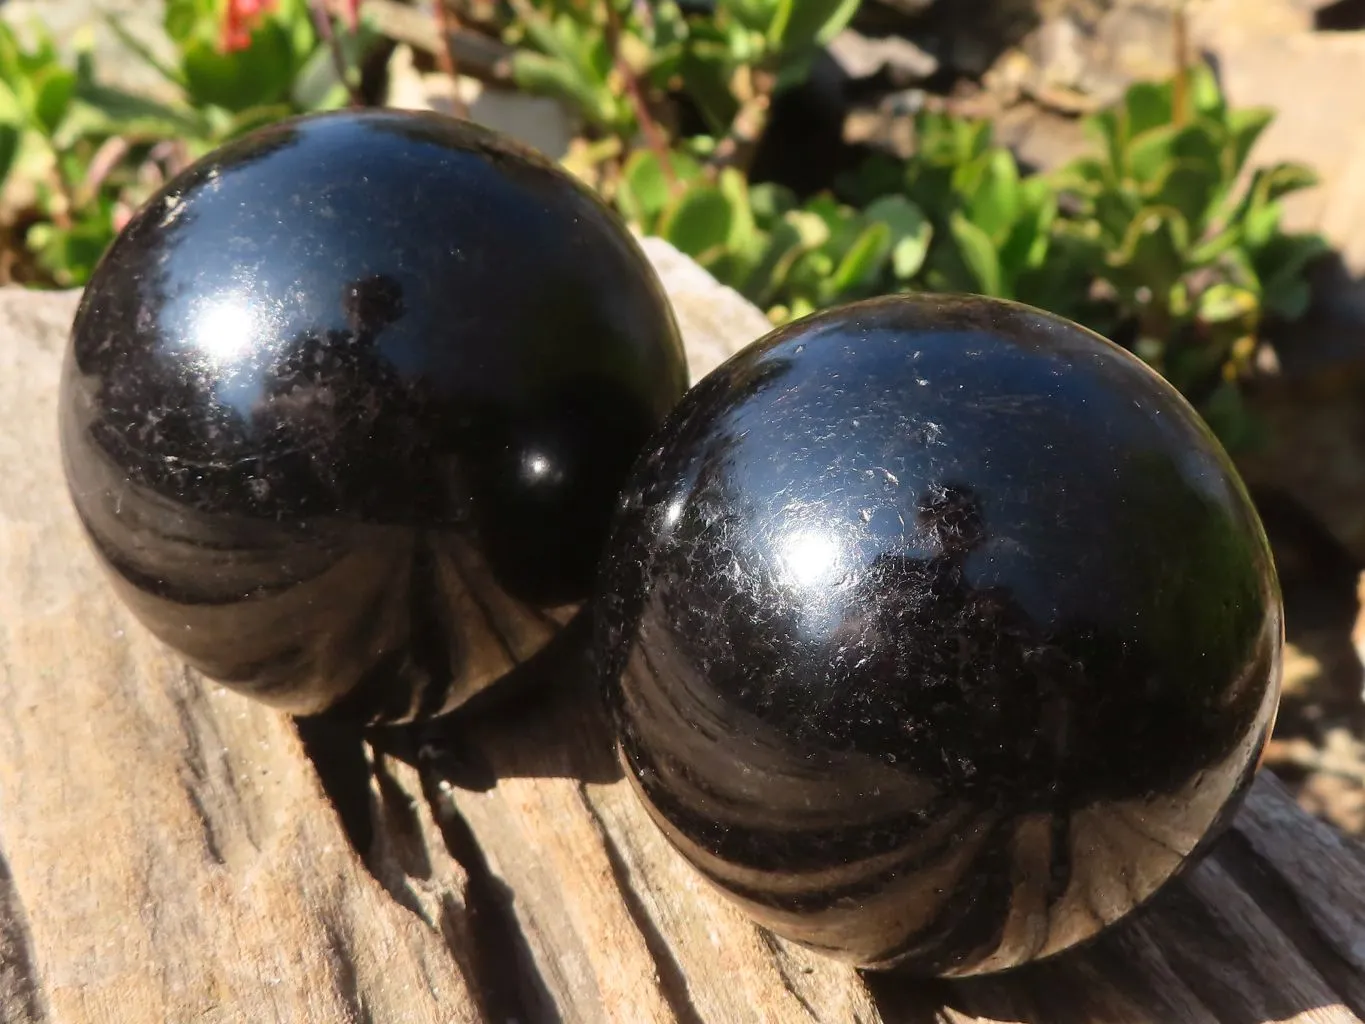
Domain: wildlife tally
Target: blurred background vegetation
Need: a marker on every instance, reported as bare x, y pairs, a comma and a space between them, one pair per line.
1156, 237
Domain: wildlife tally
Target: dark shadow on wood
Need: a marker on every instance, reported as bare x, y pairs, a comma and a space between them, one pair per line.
1342, 16
503, 967
337, 750
21, 994
483, 934
544, 720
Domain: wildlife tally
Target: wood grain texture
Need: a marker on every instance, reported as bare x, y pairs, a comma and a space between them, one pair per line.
168, 854
172, 852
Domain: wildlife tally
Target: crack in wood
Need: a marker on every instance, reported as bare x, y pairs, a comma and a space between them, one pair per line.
502, 967
1272, 893
672, 977
780, 964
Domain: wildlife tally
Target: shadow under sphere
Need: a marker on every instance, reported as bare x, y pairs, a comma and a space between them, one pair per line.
939, 633
349, 403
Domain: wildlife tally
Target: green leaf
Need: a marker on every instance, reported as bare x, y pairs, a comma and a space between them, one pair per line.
11, 68
1150, 153
994, 205
842, 222
798, 24
261, 74
1213, 247
1114, 212
706, 82
186, 19
1199, 142
70, 254
792, 237
698, 223
1205, 93
880, 174
596, 57
1108, 130
1026, 246
1148, 106
1245, 128
1152, 254
297, 16
970, 138
1282, 179
1239, 269
770, 201
9, 149
643, 192
811, 228
550, 76
1178, 300
554, 37
1260, 225
1290, 255
1190, 187
1224, 302
755, 15
53, 89
911, 233
1084, 175
978, 254
744, 242
862, 263
810, 272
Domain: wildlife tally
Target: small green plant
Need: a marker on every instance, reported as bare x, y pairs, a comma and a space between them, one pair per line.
996, 231
790, 258
624, 66
1192, 250
1159, 240
78, 156
55, 151
243, 63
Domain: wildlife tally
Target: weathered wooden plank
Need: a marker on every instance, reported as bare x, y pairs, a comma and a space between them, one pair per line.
167, 851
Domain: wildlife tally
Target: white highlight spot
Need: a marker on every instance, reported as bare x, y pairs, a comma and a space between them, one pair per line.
538, 468
811, 557
223, 331
673, 512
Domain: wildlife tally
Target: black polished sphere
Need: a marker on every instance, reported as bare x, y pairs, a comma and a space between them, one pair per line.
349, 403
938, 632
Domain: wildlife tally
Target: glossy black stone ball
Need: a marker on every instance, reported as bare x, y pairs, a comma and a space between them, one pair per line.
348, 406
938, 633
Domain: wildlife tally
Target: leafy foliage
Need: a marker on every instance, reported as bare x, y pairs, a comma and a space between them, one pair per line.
90, 153
1159, 238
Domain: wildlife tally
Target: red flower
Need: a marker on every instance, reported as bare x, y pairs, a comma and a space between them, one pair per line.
239, 21
350, 13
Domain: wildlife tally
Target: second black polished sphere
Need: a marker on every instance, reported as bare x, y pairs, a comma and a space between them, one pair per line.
348, 404
938, 633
